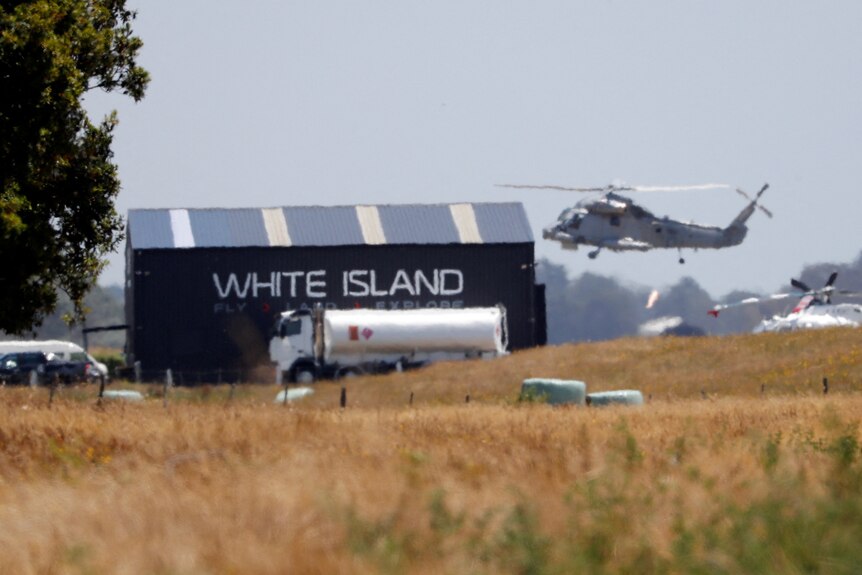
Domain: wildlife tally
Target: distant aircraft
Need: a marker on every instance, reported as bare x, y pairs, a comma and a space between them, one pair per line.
617, 223
814, 309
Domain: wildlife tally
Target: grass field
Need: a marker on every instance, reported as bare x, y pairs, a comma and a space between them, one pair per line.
738, 463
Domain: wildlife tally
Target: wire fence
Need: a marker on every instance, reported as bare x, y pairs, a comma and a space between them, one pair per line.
165, 386
191, 377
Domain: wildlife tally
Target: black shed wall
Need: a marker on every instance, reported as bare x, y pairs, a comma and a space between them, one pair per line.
203, 311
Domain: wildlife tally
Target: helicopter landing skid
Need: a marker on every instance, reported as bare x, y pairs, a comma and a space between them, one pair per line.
681, 259
594, 254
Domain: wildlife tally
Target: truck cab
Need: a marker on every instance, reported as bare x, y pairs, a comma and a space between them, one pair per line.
292, 346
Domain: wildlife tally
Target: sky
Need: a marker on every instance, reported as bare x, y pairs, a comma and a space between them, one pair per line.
273, 103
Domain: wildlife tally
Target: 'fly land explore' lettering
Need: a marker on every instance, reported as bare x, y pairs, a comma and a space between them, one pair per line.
354, 283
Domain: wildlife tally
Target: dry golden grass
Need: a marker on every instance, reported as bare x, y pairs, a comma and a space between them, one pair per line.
666, 368
730, 483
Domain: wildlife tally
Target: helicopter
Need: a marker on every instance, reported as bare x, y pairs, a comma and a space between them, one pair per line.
617, 223
814, 309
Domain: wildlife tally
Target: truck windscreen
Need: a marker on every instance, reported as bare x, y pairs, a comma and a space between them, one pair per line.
291, 327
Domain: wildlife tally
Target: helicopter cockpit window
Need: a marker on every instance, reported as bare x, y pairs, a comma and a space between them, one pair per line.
571, 218
615, 220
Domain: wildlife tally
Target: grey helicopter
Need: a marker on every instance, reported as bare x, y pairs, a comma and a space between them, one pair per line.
616, 223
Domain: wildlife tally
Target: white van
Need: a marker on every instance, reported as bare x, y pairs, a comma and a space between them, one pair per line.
65, 350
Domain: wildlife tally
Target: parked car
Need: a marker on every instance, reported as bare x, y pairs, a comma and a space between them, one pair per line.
65, 350
17, 367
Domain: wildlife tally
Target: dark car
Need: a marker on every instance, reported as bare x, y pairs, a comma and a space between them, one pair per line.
17, 367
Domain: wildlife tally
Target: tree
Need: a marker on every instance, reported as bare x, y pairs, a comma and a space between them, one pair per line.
104, 307
602, 309
557, 314
59, 183
590, 307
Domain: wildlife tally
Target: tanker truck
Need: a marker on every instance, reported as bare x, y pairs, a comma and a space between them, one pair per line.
326, 343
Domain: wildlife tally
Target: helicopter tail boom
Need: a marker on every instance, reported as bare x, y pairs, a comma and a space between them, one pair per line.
753, 204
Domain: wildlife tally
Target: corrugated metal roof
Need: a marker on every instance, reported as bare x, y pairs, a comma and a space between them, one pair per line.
319, 226
152, 228
329, 226
418, 225
211, 228
498, 222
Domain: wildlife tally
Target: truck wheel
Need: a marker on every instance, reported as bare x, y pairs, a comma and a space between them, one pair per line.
304, 375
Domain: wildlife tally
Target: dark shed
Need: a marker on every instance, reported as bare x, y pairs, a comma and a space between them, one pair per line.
204, 286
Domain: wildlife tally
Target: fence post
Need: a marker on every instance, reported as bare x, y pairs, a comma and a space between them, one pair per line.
169, 383
825, 385
343, 400
53, 390
467, 399
101, 389
137, 366
411, 399
34, 378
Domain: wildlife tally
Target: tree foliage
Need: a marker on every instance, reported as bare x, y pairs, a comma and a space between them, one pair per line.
589, 307
59, 182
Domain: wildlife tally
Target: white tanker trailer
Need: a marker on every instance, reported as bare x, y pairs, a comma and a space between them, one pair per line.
320, 343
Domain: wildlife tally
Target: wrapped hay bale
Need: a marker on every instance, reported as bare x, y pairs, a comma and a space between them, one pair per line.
123, 394
554, 391
619, 397
293, 394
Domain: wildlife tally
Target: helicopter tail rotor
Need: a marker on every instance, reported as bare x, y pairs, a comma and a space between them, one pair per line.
756, 199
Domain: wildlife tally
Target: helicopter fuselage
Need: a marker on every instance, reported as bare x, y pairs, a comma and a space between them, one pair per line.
814, 316
616, 223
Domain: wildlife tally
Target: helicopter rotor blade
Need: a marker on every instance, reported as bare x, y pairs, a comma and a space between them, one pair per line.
800, 285
809, 296
558, 188
674, 188
748, 301
827, 289
616, 188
